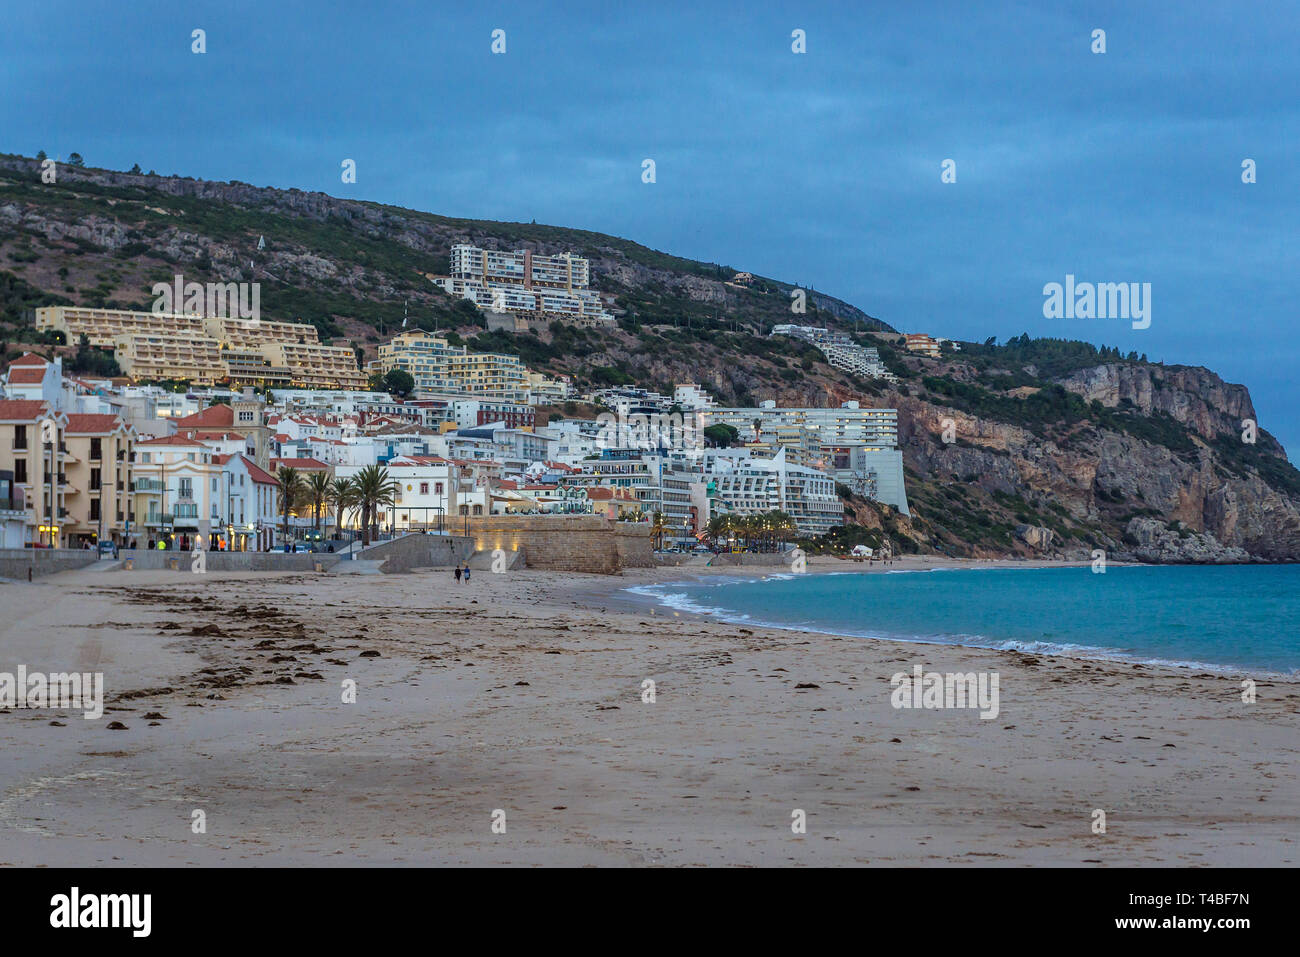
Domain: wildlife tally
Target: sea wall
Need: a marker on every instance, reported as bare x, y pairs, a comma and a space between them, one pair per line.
419, 551
145, 560
17, 562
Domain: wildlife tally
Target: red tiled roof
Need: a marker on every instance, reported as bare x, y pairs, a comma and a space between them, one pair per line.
214, 416
83, 423
26, 375
171, 440
302, 465
208, 436
257, 473
21, 410
28, 359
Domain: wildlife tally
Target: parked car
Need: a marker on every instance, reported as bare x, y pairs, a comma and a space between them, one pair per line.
107, 548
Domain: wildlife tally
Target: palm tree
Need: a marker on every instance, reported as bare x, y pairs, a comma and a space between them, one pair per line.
657, 528
290, 484
782, 525
317, 489
375, 491
720, 526
343, 496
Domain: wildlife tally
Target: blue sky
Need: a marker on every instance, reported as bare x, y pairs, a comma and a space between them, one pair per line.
821, 168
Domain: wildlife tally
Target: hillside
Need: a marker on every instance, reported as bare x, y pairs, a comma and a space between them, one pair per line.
1057, 447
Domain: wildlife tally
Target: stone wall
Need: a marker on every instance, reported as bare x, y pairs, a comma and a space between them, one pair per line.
145, 560
419, 551
17, 562
573, 543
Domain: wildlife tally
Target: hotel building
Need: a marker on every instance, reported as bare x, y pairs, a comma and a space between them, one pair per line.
857, 447
439, 367
522, 281
211, 349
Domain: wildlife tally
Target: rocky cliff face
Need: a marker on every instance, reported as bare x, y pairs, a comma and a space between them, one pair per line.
1196, 397
1136, 499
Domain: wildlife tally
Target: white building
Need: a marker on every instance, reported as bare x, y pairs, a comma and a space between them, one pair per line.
754, 485
851, 442
178, 489
248, 501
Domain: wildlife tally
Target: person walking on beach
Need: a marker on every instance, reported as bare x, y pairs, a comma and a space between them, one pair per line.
457, 574
467, 573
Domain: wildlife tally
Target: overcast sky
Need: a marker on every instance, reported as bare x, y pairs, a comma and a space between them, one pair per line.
822, 168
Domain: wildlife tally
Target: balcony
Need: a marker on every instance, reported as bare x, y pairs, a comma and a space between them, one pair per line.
147, 485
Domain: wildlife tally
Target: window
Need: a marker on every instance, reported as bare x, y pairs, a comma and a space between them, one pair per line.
94, 480
437, 487
94, 510
96, 448
187, 488
20, 436
424, 488
214, 483
144, 458
20, 471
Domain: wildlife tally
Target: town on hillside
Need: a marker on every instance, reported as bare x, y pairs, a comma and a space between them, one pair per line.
245, 434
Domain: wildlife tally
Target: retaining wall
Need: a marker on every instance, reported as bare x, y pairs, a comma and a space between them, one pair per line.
16, 562
144, 560
419, 551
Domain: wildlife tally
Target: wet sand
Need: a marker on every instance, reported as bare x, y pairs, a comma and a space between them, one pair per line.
523, 692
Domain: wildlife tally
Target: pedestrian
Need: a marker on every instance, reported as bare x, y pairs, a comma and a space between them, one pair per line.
150, 543
467, 573
457, 574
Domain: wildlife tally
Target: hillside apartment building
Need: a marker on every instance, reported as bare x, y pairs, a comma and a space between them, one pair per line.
523, 282
857, 447
437, 366
209, 349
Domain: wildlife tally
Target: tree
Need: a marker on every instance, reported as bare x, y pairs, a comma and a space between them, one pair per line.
91, 361
317, 489
40, 155
74, 159
135, 168
290, 484
376, 490
721, 435
657, 528
343, 496
399, 382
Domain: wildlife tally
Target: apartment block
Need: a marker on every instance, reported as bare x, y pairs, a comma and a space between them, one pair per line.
840, 350
98, 466
177, 490
32, 449
146, 355
313, 366
856, 446
438, 366
103, 326
521, 281
207, 349
923, 344
755, 485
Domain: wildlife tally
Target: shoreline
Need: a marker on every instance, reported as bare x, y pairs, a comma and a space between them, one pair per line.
625, 598
524, 692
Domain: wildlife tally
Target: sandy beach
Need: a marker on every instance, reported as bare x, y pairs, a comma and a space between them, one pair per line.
522, 692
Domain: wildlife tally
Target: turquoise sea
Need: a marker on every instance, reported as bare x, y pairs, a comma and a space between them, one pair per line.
1231, 618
